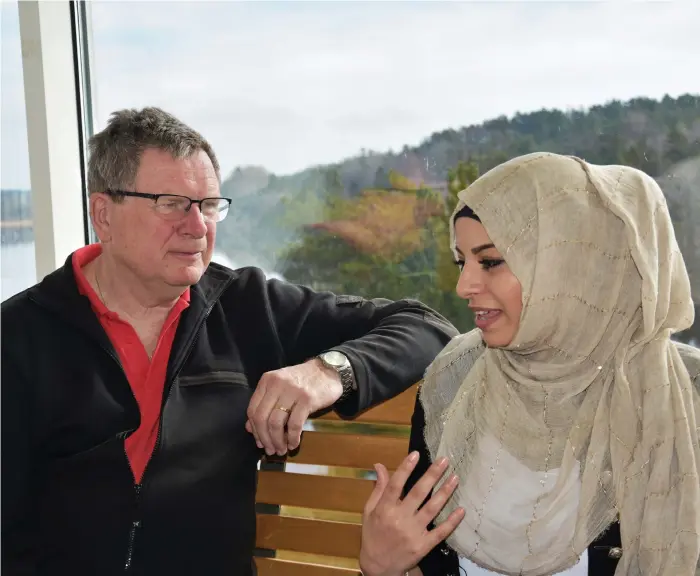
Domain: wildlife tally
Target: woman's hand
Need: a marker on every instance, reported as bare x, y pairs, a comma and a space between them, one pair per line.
395, 535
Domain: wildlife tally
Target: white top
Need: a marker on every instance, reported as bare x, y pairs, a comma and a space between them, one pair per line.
468, 568
517, 520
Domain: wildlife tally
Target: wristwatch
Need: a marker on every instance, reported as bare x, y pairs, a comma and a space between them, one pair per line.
339, 362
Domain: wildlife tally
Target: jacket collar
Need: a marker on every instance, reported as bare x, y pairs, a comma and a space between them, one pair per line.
58, 292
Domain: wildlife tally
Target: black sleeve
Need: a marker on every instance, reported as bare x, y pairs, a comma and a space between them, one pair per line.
18, 476
441, 560
389, 344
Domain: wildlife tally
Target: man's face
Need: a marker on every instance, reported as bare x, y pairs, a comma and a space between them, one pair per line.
158, 249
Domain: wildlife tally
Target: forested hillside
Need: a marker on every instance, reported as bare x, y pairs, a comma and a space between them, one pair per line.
375, 224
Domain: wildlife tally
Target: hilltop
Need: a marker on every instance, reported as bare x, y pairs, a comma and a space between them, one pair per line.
652, 135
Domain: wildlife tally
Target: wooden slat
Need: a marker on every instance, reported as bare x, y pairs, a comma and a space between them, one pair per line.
310, 536
273, 567
307, 491
350, 450
395, 411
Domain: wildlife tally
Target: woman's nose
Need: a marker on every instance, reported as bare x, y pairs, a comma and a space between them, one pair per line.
469, 283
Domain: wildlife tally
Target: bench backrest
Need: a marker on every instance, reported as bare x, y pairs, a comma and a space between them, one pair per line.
309, 506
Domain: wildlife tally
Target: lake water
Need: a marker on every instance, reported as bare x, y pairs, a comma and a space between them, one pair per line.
17, 264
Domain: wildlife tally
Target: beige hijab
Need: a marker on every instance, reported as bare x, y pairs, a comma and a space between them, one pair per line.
590, 413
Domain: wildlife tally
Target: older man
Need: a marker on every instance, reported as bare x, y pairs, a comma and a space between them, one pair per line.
141, 383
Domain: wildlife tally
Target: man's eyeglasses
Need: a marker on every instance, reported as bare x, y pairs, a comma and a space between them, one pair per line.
175, 207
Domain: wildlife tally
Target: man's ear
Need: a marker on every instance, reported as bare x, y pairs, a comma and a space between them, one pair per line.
101, 207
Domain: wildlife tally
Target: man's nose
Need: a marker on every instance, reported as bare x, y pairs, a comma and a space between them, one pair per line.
194, 222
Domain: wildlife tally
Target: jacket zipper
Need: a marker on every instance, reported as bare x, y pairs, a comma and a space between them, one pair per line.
138, 487
136, 523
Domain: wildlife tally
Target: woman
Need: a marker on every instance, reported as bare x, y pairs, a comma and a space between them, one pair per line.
569, 408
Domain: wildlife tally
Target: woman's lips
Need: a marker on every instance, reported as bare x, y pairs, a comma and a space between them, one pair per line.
485, 318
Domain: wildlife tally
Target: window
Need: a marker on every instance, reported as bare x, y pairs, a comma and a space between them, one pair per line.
17, 261
339, 125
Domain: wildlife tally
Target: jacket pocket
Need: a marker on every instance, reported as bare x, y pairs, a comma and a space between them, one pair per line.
226, 377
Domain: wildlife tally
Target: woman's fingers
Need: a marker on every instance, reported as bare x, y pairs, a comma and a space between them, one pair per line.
394, 532
438, 500
394, 489
379, 487
442, 531
422, 489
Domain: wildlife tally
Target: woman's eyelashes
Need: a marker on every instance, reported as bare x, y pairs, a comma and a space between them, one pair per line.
486, 263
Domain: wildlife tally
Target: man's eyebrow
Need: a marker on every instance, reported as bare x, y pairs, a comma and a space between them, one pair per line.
481, 248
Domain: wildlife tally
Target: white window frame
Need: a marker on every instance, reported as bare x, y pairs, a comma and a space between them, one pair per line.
55, 130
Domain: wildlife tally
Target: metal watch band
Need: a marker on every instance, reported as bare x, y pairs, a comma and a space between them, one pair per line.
344, 370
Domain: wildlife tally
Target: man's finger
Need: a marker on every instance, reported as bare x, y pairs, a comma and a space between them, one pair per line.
422, 489
295, 425
379, 486
261, 419
397, 482
277, 423
251, 428
256, 398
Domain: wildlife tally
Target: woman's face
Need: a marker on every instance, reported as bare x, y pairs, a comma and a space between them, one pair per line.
493, 291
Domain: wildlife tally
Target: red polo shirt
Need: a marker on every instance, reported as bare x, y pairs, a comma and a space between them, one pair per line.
146, 376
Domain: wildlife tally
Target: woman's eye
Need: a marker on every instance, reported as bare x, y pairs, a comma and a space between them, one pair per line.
459, 264
488, 263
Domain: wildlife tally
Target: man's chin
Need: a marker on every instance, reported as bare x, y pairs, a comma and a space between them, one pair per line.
187, 276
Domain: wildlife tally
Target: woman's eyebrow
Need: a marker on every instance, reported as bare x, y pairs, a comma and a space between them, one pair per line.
481, 248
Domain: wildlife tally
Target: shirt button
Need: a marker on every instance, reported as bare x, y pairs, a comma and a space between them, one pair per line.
615, 553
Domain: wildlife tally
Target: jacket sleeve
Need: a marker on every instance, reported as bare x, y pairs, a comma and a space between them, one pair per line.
389, 344
441, 560
18, 472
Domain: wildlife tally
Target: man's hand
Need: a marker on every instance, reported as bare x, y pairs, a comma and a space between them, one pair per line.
395, 535
284, 399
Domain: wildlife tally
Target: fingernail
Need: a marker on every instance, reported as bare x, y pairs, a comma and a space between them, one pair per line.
442, 462
453, 481
413, 457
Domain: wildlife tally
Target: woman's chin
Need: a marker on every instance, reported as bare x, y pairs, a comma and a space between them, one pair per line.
497, 338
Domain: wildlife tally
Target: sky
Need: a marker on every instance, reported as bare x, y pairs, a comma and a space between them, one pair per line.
286, 85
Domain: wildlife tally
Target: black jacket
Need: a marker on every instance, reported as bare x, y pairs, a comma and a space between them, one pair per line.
443, 561
69, 502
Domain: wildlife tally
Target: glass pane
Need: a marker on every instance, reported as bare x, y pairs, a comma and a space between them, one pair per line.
343, 128
17, 260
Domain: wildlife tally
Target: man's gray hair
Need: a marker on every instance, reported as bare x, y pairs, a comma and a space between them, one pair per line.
115, 153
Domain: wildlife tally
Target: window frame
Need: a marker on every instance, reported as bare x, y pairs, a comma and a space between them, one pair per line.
56, 95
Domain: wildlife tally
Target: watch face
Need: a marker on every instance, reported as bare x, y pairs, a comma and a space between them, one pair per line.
334, 358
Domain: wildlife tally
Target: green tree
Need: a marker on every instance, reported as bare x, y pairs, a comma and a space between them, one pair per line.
386, 243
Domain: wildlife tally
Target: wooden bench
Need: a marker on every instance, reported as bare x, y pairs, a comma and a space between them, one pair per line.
309, 505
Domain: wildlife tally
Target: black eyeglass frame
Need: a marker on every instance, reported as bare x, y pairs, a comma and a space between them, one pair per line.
155, 197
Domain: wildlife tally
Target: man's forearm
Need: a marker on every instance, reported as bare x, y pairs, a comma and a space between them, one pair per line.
394, 355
